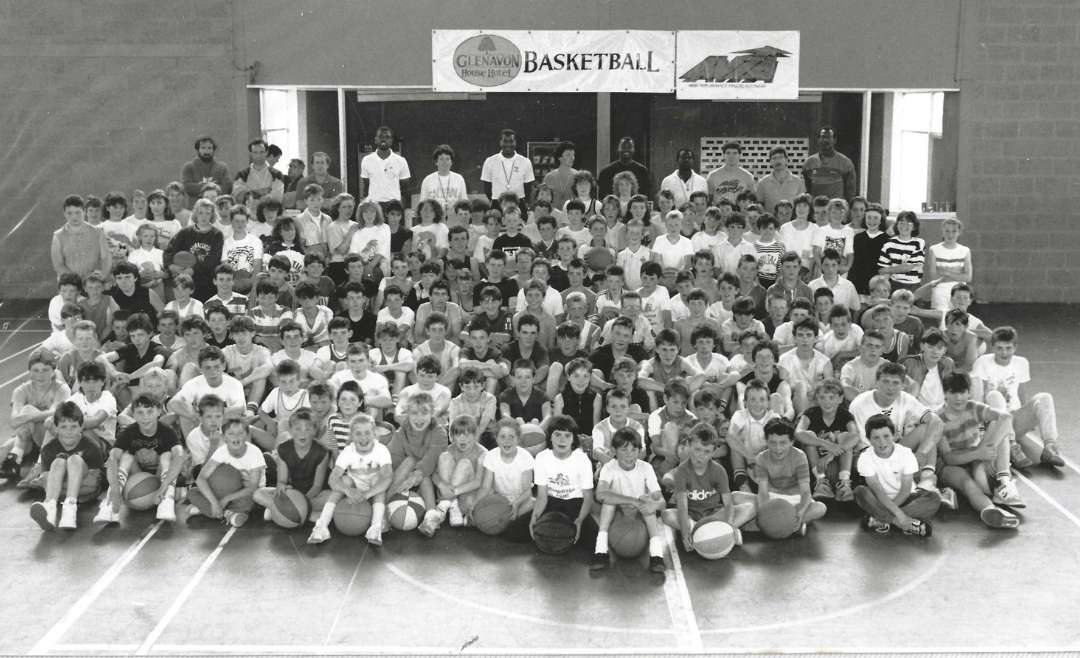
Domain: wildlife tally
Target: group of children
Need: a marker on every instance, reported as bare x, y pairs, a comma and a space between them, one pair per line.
670, 365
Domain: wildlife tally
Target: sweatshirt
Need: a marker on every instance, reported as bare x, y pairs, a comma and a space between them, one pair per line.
195, 171
80, 251
206, 247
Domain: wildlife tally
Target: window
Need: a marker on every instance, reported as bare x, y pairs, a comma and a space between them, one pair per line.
280, 123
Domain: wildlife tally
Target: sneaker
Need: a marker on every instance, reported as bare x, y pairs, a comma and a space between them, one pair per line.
948, 497
106, 514
44, 514
9, 469
878, 526
739, 480
802, 530
656, 564
920, 528
31, 478
457, 518
598, 562
68, 512
995, 517
1018, 457
192, 511
738, 537
236, 519
266, 515
844, 493
1050, 455
432, 520
373, 536
1007, 494
166, 509
823, 489
319, 534
181, 494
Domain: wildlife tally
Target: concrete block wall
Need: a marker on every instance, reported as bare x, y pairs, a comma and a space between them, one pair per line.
98, 96
1020, 148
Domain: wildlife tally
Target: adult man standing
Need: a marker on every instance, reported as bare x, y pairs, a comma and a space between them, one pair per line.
507, 170
259, 177
626, 162
684, 181
320, 173
384, 174
205, 169
561, 179
780, 184
729, 179
828, 172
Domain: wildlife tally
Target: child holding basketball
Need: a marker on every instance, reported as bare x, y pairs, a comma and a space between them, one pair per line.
72, 465
563, 476
888, 497
746, 436
239, 453
701, 490
666, 425
414, 448
829, 434
782, 471
508, 470
458, 475
300, 463
629, 485
145, 446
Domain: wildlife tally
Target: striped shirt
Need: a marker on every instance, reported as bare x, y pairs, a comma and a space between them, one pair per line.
962, 430
267, 323
768, 260
897, 251
237, 304
951, 260
337, 431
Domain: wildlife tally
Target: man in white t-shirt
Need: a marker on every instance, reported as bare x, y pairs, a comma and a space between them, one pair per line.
507, 170
890, 469
213, 379
999, 379
445, 186
916, 426
684, 181
384, 174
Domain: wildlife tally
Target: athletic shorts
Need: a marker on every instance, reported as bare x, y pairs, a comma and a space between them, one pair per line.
570, 507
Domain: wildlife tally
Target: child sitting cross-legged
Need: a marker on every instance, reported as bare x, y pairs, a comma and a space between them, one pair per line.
889, 497
299, 463
782, 471
828, 433
414, 448
458, 475
246, 458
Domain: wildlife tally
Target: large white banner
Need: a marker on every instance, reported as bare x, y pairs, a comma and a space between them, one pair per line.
553, 61
737, 65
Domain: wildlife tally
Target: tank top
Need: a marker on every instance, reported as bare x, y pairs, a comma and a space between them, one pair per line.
301, 469
899, 347
136, 302
579, 406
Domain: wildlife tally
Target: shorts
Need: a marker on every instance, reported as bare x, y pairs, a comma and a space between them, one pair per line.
570, 507
794, 499
697, 515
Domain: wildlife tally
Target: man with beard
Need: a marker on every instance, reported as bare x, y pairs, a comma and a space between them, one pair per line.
626, 162
829, 173
205, 169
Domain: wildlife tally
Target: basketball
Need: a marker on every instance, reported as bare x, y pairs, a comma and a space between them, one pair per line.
225, 480
553, 533
242, 281
352, 519
776, 518
532, 435
628, 537
184, 259
492, 514
406, 512
140, 490
289, 509
599, 259
713, 539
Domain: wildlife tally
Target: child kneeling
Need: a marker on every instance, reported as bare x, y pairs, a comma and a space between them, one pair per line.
629, 484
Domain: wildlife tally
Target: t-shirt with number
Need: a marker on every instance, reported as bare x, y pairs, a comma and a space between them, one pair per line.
132, 439
889, 471
301, 469
905, 412
783, 474
564, 478
636, 482
703, 492
507, 478
1003, 379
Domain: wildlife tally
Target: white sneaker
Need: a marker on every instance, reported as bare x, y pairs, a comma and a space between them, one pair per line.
1007, 494
181, 494
457, 517
68, 513
319, 534
738, 537
236, 519
166, 509
948, 498
44, 514
106, 514
374, 535
193, 510
432, 520
266, 514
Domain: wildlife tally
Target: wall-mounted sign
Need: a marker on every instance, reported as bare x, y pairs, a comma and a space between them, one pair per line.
553, 61
737, 65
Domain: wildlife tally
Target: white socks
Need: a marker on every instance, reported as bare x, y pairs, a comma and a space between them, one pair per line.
601, 542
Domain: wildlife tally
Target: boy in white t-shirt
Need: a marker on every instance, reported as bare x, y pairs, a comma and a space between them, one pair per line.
806, 367
999, 379
237, 452
888, 497
508, 470
363, 471
628, 485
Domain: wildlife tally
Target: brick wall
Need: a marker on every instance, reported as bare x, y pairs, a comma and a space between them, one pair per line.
1020, 148
100, 96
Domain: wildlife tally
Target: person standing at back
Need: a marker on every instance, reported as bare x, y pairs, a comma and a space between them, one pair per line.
259, 177
205, 169
384, 174
726, 181
561, 179
828, 172
684, 181
781, 184
626, 162
320, 175
443, 185
508, 171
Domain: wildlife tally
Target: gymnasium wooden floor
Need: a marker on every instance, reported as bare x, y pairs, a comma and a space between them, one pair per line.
148, 588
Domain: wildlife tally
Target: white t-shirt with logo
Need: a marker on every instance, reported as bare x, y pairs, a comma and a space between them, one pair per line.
374, 384
384, 176
889, 471
1003, 379
245, 463
507, 174
363, 468
905, 412
565, 479
242, 254
507, 475
230, 390
636, 482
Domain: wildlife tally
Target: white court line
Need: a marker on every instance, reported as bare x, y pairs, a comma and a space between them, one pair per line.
15, 378
182, 598
345, 598
1071, 464
38, 331
1048, 498
680, 607
77, 610
22, 351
